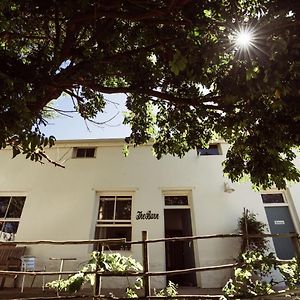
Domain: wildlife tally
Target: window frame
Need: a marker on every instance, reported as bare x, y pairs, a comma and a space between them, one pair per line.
176, 205
85, 149
284, 203
10, 236
216, 145
175, 193
114, 223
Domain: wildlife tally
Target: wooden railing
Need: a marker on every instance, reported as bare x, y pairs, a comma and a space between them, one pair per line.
146, 274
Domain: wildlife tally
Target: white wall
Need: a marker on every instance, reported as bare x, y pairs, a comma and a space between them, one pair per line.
61, 204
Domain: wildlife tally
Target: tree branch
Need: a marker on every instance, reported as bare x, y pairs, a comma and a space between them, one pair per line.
196, 102
56, 164
6, 35
57, 29
114, 11
61, 112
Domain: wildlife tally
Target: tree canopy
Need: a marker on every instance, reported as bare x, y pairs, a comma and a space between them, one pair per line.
186, 78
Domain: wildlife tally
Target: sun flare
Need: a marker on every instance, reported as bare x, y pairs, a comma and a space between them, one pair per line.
246, 41
243, 39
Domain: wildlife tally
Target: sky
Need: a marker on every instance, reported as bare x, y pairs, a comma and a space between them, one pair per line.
74, 127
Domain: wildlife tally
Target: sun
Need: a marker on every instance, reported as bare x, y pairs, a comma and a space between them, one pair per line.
246, 41
243, 39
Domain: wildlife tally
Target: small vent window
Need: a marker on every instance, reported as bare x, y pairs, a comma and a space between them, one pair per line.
213, 149
84, 152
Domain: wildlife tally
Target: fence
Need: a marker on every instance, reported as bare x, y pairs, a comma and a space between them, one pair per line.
146, 274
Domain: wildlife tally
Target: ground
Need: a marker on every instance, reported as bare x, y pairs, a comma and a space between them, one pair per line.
38, 294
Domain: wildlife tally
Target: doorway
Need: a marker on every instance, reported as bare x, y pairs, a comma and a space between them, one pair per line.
179, 254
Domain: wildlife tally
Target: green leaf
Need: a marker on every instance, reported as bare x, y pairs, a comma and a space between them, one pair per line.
16, 151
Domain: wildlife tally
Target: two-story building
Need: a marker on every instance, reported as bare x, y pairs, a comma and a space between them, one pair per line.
103, 194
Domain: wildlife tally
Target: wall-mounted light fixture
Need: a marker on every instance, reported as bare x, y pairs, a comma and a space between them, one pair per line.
228, 188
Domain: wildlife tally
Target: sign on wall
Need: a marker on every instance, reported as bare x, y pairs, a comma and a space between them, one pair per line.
140, 215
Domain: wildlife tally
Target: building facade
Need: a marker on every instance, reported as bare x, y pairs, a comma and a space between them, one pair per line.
103, 194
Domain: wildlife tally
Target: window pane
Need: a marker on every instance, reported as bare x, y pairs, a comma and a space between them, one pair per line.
3, 206
176, 200
90, 152
10, 227
272, 198
114, 233
85, 152
106, 208
16, 207
211, 150
123, 210
80, 152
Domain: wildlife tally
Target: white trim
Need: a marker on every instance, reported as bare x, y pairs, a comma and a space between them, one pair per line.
115, 191
272, 191
101, 225
13, 193
177, 206
113, 223
177, 191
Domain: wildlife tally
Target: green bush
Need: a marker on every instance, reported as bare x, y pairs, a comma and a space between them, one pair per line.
248, 224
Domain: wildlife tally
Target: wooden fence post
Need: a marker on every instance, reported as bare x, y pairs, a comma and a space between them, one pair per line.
97, 286
246, 214
146, 278
295, 241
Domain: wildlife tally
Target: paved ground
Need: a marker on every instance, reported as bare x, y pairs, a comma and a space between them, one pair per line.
38, 294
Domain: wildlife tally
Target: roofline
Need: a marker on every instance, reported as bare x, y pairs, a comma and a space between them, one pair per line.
109, 141
92, 141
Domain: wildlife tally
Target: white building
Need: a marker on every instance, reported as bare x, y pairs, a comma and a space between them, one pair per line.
167, 197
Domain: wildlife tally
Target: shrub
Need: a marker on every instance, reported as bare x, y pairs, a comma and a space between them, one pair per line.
248, 224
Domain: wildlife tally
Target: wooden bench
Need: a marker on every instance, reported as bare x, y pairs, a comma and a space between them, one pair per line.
10, 260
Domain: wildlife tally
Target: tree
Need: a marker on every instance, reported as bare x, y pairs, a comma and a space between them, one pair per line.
185, 77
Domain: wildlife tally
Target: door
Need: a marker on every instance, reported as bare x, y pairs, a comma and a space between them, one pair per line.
280, 221
179, 254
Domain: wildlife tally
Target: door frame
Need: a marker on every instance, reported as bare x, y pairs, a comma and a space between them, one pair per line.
188, 194
288, 202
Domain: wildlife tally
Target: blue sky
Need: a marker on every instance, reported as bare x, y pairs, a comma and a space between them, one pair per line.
74, 127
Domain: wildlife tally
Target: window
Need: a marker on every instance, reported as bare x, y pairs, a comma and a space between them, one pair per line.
114, 219
213, 149
272, 198
84, 152
176, 200
11, 208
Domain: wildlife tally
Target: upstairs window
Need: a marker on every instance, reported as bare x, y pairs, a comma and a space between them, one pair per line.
11, 208
84, 152
114, 219
213, 149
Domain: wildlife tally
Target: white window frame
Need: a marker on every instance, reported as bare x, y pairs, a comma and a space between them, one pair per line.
116, 223
285, 203
177, 193
6, 235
